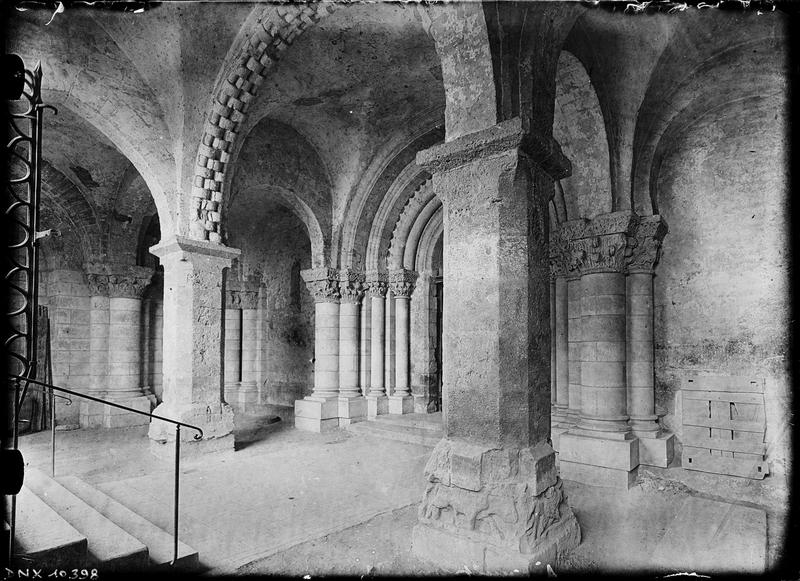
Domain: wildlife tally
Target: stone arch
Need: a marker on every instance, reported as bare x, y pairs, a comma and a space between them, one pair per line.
579, 127
432, 233
381, 177
404, 188
242, 74
417, 205
102, 87
276, 160
676, 91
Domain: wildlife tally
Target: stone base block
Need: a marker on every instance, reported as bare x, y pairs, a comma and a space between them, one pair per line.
317, 408
352, 409
215, 419
315, 424
191, 450
598, 475
401, 405
421, 404
471, 486
599, 451
657, 451
244, 397
97, 415
555, 436
377, 406
452, 552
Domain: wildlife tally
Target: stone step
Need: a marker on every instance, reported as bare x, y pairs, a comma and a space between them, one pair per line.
159, 542
42, 538
108, 545
400, 433
431, 422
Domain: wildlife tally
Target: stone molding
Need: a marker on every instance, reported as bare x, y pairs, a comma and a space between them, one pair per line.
617, 242
241, 299
323, 284
542, 150
498, 496
117, 281
187, 249
645, 245
351, 285
402, 282
377, 284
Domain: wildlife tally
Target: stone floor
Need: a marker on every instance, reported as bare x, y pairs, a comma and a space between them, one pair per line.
291, 502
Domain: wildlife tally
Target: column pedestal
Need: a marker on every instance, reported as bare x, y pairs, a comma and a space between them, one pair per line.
193, 351
494, 501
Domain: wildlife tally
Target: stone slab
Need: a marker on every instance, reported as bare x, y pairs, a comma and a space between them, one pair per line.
377, 406
321, 409
107, 543
315, 425
597, 475
43, 536
159, 542
401, 405
708, 536
598, 451
657, 451
352, 409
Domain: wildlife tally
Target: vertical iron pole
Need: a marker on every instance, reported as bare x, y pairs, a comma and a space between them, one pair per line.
52, 433
177, 481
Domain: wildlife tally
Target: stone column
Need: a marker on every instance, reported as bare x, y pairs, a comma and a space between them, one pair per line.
365, 343
352, 405
242, 390
116, 329
574, 347
376, 399
320, 410
559, 333
193, 311
655, 445
494, 496
601, 449
402, 285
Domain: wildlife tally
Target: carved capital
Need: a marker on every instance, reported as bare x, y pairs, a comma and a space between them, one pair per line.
402, 282
600, 244
377, 283
351, 285
242, 294
118, 281
323, 284
645, 245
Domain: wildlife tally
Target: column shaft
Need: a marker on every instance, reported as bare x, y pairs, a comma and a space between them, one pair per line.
249, 345
123, 348
326, 349
402, 326
98, 345
233, 345
640, 374
574, 347
562, 345
348, 349
377, 356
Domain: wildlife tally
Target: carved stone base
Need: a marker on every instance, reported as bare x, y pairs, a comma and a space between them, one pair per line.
377, 405
351, 410
657, 451
216, 421
401, 404
315, 414
493, 509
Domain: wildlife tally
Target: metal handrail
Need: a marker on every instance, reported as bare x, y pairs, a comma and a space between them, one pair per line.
199, 436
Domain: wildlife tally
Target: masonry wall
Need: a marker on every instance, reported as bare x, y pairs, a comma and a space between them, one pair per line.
721, 290
275, 247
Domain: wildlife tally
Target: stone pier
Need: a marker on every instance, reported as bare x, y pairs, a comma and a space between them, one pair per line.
494, 502
193, 356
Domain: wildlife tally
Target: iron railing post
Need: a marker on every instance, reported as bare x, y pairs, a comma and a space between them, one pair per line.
177, 485
52, 432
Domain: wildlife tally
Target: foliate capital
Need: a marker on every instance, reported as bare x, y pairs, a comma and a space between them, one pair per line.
351, 285
599, 244
323, 284
377, 283
117, 280
241, 294
645, 245
557, 255
402, 282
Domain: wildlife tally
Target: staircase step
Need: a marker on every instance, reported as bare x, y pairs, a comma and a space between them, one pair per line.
431, 422
108, 544
159, 542
43, 539
400, 433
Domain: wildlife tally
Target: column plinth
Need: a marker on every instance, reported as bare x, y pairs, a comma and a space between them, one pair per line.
193, 352
496, 458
